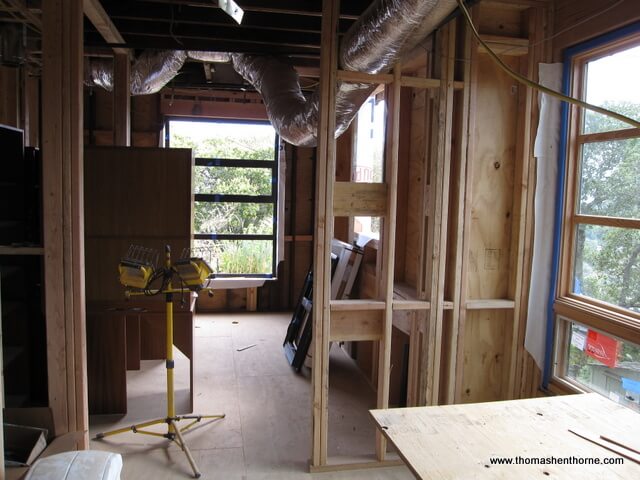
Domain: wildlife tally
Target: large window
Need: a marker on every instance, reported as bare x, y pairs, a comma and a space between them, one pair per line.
235, 193
599, 328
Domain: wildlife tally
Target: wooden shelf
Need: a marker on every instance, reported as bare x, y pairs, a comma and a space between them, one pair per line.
490, 304
9, 250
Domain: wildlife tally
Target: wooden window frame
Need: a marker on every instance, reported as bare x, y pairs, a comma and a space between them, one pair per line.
570, 306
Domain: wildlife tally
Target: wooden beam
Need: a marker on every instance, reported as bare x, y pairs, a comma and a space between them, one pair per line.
360, 199
200, 107
440, 174
63, 215
386, 78
418, 82
389, 251
96, 14
466, 177
121, 100
323, 233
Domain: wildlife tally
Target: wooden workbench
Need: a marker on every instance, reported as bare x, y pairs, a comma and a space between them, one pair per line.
459, 441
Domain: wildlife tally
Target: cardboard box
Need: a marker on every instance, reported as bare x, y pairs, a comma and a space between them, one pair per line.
33, 427
22, 445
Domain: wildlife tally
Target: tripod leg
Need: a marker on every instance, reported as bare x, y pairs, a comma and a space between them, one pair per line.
185, 449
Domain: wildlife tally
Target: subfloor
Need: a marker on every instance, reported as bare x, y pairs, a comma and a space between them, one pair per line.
266, 433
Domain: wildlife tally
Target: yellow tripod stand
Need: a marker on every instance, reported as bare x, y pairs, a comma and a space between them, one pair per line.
174, 433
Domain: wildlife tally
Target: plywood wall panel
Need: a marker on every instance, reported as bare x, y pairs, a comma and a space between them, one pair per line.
498, 20
484, 357
492, 184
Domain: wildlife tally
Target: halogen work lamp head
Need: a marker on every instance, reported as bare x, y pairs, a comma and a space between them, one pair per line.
138, 266
134, 275
193, 271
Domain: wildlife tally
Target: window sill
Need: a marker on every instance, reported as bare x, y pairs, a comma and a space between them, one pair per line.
560, 386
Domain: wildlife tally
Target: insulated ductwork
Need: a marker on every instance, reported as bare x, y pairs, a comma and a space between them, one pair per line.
209, 57
150, 72
386, 32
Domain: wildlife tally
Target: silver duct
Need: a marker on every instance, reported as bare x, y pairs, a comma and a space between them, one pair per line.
209, 57
386, 32
150, 72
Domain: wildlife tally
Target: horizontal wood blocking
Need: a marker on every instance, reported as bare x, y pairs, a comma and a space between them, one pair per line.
411, 305
512, 46
353, 305
490, 304
385, 78
359, 199
356, 325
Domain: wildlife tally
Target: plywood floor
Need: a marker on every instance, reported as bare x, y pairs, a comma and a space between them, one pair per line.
266, 432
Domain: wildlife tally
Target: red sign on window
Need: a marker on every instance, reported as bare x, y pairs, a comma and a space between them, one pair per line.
603, 348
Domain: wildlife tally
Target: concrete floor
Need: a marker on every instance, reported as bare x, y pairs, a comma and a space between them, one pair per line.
267, 430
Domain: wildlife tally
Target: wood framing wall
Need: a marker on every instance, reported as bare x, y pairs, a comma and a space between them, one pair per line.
467, 212
463, 226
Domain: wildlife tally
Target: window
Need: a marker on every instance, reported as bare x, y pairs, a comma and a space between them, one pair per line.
369, 155
599, 285
235, 193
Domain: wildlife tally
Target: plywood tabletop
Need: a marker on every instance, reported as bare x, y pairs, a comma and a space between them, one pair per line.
466, 441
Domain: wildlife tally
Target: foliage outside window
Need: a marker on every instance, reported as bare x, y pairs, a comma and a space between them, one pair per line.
600, 258
235, 196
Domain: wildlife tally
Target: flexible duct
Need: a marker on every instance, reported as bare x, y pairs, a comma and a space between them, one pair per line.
386, 32
150, 71
209, 57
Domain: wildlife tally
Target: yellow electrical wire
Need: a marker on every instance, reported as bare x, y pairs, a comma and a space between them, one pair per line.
530, 83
